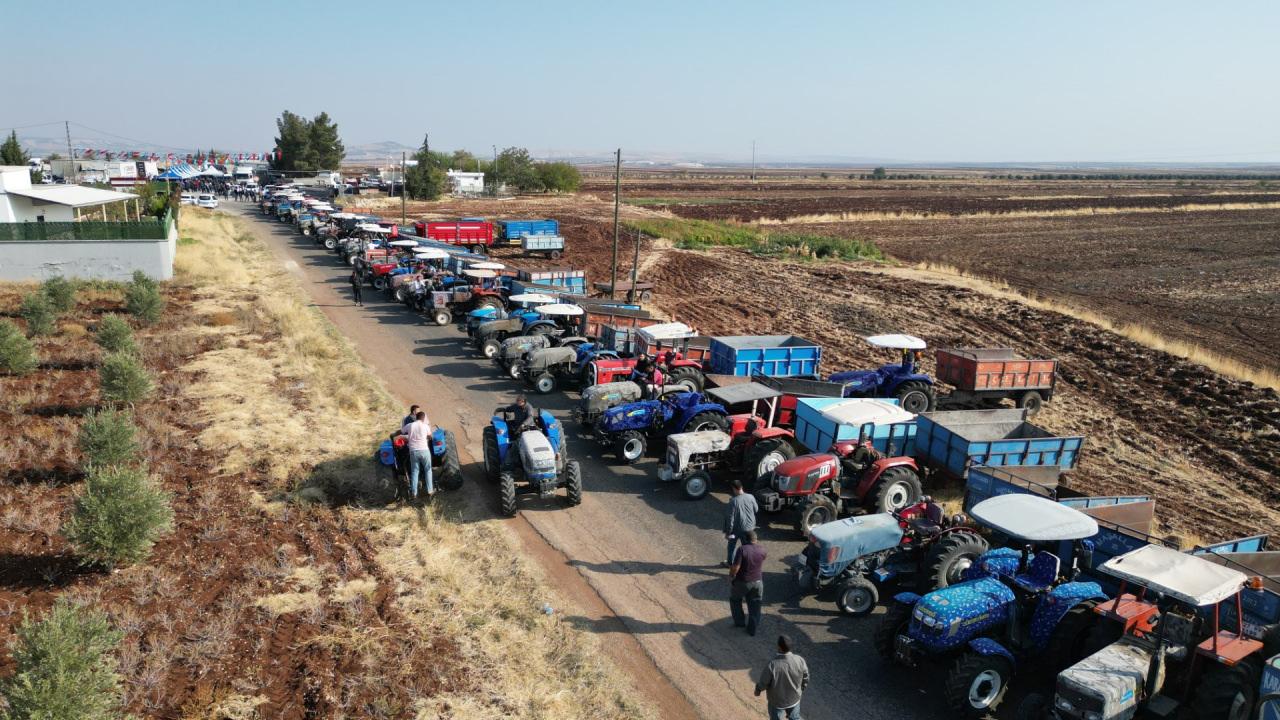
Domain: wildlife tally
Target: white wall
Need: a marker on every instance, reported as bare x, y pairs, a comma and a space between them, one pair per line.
88, 259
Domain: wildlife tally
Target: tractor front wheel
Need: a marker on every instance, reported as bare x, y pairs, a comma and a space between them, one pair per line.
764, 457
917, 397
949, 557
1033, 707
330, 243
450, 467
514, 370
898, 487
858, 597
573, 483
545, 383
893, 623
442, 317
492, 462
1070, 637
630, 446
490, 347
976, 684
697, 484
507, 494
707, 421
1227, 693
816, 510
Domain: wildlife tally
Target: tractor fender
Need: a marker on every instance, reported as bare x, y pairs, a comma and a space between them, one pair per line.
989, 647
528, 329
701, 408
1055, 606
573, 339
907, 598
503, 435
552, 427
872, 476
438, 445
772, 432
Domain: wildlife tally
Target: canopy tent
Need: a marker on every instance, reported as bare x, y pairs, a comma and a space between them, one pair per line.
178, 172
212, 171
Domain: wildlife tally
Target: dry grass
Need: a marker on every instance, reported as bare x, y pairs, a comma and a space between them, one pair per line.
305, 399
864, 216
1138, 333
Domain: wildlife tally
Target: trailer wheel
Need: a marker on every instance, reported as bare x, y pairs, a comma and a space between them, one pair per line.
1031, 401
858, 597
554, 254
697, 484
898, 488
816, 510
949, 557
646, 296
917, 397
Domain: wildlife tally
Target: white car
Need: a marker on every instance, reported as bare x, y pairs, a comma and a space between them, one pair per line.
207, 201
188, 198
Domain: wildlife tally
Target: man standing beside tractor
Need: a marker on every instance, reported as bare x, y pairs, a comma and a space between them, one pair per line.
784, 681
740, 517
746, 578
418, 434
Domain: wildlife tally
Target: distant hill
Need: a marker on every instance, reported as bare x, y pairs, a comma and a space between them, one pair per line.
378, 151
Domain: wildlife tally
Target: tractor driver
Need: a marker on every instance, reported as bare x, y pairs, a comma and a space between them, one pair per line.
523, 415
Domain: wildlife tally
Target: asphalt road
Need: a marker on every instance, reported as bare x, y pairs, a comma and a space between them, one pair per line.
650, 555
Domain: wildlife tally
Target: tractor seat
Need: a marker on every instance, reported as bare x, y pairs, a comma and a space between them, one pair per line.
1041, 573
924, 527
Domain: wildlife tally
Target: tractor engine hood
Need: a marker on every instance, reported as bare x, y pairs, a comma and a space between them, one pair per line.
537, 455
804, 472
625, 417
1106, 684
947, 618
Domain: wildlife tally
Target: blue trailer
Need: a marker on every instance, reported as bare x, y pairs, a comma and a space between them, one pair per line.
772, 355
823, 421
512, 230
617, 338
951, 442
575, 281
550, 246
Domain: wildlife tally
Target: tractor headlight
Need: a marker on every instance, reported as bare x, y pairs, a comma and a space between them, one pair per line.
1065, 704
1092, 715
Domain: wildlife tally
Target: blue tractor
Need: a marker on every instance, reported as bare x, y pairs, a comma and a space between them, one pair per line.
629, 427
392, 458
913, 389
530, 459
1014, 605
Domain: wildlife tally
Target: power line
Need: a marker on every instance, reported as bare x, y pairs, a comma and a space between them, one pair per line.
24, 127
122, 137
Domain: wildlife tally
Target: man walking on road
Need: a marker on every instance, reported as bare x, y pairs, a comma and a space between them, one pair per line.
356, 286
746, 575
418, 433
739, 518
783, 681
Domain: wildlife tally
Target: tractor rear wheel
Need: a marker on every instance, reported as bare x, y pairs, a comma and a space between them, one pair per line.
893, 623
858, 596
1031, 401
545, 383
507, 494
697, 484
917, 397
630, 446
707, 421
764, 457
450, 467
949, 557
898, 487
1068, 641
573, 483
816, 510
492, 463
692, 374
976, 684
1227, 693
442, 317
490, 347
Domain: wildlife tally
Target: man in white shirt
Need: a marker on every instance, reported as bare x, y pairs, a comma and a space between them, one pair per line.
418, 435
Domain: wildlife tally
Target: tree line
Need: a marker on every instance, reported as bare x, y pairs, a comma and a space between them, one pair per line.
513, 168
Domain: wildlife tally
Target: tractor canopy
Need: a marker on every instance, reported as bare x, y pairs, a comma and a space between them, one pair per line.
843, 541
1186, 578
654, 334
1033, 518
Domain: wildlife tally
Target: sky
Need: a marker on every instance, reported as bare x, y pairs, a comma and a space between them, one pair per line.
940, 81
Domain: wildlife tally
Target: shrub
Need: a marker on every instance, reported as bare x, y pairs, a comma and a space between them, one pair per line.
115, 336
65, 668
143, 299
17, 354
38, 313
107, 438
123, 379
60, 293
118, 516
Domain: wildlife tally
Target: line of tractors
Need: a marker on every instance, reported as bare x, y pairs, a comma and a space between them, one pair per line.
1033, 583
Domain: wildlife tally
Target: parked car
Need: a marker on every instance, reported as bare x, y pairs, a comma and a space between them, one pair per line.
188, 198
207, 201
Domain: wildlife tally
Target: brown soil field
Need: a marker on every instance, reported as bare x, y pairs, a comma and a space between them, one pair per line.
1207, 446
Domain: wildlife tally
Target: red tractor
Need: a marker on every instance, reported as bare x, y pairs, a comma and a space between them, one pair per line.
853, 475
668, 344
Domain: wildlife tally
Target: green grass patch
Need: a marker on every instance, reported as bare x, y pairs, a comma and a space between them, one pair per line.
688, 234
188, 241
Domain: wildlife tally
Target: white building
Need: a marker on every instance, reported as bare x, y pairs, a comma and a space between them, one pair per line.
116, 172
20, 201
465, 183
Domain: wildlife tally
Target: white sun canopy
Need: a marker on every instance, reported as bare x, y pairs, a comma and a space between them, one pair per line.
403, 243
560, 309
486, 265
860, 411
531, 298
1033, 518
665, 331
1188, 578
480, 274
427, 253
371, 228
897, 342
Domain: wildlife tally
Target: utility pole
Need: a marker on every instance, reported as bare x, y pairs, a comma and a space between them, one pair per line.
753, 161
404, 187
617, 192
635, 269
71, 155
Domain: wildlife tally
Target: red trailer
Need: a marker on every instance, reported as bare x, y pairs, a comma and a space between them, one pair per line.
982, 375
476, 233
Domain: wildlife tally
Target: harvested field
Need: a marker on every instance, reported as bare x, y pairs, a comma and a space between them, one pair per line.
255, 605
1204, 444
